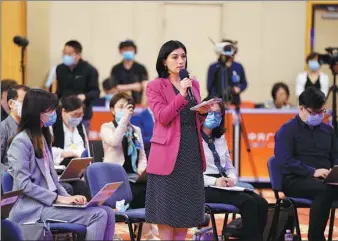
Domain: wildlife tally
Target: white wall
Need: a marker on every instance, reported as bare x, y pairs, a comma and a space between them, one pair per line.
271, 35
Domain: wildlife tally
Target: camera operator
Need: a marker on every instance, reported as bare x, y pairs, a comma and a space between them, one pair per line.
233, 74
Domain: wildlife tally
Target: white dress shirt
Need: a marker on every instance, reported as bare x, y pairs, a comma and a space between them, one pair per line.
223, 152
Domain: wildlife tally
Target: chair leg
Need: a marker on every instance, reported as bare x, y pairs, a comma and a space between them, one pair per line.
331, 225
139, 231
233, 216
131, 231
274, 224
295, 212
225, 223
214, 227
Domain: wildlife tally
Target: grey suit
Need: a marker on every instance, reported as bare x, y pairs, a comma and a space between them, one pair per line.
36, 203
8, 129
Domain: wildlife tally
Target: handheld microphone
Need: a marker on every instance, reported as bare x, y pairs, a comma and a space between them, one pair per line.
185, 74
20, 41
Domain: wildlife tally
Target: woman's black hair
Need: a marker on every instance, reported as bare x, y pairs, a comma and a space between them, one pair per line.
36, 102
220, 130
165, 50
312, 56
276, 87
119, 96
71, 103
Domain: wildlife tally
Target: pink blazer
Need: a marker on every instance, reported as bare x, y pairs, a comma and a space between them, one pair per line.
166, 106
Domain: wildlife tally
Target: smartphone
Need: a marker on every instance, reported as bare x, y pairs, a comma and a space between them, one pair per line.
130, 102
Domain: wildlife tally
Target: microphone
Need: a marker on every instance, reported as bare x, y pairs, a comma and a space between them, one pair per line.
185, 74
20, 41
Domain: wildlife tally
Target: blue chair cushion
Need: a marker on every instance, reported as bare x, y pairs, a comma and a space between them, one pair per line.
68, 227
300, 201
139, 213
221, 207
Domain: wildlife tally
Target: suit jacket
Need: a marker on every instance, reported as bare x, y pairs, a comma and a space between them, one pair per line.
112, 143
145, 121
166, 107
8, 130
28, 172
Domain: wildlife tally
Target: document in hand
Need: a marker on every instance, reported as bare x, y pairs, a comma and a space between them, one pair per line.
234, 189
204, 103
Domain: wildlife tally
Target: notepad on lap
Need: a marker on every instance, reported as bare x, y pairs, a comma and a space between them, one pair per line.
234, 189
332, 178
204, 103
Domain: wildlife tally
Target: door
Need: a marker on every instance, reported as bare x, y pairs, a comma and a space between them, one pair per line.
193, 24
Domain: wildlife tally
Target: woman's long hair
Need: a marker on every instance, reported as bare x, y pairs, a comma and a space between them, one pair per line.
37, 101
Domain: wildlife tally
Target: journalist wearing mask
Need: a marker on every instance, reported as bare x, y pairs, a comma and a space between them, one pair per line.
70, 139
221, 173
32, 168
312, 77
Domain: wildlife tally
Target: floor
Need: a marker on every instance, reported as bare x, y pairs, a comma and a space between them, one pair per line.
122, 231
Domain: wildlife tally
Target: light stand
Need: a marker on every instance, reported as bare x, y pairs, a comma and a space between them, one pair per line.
22, 64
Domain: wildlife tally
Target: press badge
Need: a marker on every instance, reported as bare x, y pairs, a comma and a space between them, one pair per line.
73, 146
235, 77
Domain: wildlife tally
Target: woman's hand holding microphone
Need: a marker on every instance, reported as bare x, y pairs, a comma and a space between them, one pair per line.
184, 85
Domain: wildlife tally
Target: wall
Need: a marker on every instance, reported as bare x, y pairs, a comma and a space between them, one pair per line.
271, 36
13, 22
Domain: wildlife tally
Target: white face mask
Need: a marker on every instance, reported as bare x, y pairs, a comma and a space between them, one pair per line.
18, 108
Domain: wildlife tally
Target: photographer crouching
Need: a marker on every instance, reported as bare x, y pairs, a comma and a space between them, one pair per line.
226, 77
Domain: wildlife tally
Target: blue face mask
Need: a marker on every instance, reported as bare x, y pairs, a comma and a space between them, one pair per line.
74, 122
51, 119
315, 120
118, 116
313, 65
68, 60
128, 55
108, 97
213, 120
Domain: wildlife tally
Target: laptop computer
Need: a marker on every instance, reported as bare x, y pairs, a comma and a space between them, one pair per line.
75, 169
7, 201
98, 199
332, 178
136, 178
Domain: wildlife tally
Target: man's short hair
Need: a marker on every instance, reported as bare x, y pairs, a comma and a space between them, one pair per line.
312, 98
108, 84
13, 91
76, 45
6, 84
126, 44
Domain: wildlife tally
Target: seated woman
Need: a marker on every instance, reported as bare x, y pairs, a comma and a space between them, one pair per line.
32, 168
312, 77
123, 144
69, 138
280, 97
220, 172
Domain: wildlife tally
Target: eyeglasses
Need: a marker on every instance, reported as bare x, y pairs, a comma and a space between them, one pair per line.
319, 112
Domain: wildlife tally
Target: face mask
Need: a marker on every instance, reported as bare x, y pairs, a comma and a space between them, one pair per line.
118, 116
68, 60
18, 107
74, 122
313, 65
314, 120
108, 97
128, 55
51, 119
213, 120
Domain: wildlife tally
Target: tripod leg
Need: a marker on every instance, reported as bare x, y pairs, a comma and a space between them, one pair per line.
248, 148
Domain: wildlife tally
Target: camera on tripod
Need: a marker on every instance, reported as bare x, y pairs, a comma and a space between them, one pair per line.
331, 58
226, 49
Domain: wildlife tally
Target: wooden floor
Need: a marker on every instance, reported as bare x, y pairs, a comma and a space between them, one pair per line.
122, 230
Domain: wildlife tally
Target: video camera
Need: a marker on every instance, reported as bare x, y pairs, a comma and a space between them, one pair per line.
227, 49
331, 58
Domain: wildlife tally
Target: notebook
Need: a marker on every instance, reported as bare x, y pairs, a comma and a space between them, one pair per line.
98, 199
7, 201
332, 178
136, 178
234, 189
75, 169
204, 103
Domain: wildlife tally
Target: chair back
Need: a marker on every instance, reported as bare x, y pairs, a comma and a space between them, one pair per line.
101, 173
85, 154
276, 176
96, 150
7, 182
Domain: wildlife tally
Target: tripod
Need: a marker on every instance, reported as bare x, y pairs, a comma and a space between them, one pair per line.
333, 89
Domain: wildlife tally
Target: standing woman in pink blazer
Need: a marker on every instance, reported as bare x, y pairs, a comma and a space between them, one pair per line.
175, 189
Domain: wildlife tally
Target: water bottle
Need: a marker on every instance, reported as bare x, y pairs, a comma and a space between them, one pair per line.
288, 235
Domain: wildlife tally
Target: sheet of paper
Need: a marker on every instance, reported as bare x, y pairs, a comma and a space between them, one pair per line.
234, 189
204, 103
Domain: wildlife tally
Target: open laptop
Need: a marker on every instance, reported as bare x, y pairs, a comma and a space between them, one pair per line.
98, 199
332, 178
75, 169
136, 178
7, 202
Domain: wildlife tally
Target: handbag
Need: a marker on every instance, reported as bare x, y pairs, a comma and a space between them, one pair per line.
36, 231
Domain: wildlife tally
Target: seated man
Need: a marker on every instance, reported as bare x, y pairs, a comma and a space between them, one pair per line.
109, 89
6, 84
306, 148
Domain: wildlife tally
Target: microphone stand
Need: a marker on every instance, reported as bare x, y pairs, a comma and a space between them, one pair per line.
22, 64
